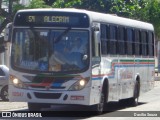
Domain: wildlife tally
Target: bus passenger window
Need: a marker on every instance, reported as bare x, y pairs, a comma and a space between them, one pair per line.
113, 40
104, 39
144, 43
121, 45
136, 42
150, 44
129, 41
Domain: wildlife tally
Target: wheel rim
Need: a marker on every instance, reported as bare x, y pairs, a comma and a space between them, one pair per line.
5, 95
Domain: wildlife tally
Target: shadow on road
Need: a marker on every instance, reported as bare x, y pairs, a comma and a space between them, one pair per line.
3, 101
114, 106
79, 112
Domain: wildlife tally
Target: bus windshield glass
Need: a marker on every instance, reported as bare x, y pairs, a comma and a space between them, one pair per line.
59, 50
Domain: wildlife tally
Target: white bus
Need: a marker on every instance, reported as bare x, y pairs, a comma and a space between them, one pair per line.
79, 57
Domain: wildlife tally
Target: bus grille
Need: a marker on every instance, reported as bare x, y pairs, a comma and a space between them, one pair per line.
44, 87
48, 95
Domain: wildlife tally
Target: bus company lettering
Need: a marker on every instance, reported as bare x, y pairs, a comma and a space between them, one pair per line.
17, 93
58, 19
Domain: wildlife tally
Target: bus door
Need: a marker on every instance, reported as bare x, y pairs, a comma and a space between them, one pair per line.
96, 68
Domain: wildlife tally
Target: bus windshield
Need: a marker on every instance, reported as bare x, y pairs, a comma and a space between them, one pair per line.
46, 50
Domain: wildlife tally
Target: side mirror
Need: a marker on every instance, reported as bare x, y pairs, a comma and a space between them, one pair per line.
96, 43
97, 36
7, 33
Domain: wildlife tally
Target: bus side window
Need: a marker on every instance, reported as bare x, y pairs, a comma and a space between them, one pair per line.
113, 39
144, 43
104, 39
129, 41
121, 41
150, 44
136, 42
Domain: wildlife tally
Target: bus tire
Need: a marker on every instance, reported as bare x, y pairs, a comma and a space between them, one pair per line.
100, 107
4, 93
37, 106
134, 100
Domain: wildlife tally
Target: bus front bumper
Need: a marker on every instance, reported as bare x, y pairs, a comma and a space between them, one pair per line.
81, 97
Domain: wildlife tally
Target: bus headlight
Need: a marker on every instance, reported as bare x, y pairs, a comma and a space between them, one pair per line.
79, 85
17, 82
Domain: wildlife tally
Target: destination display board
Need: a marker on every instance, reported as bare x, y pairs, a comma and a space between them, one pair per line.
51, 19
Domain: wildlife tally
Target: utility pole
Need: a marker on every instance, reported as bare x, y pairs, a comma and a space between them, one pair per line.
10, 6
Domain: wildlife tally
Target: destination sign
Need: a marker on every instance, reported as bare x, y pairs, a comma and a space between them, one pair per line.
51, 19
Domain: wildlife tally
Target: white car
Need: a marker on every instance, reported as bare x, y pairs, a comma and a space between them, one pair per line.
4, 77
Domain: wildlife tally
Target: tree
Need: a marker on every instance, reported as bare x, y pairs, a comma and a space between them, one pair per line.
127, 8
144, 10
153, 11
13, 6
6, 16
49, 2
95, 5
37, 4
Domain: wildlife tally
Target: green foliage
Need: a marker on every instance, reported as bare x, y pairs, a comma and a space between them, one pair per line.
66, 3
17, 7
1, 18
128, 8
144, 10
94, 5
37, 4
153, 11
33, 4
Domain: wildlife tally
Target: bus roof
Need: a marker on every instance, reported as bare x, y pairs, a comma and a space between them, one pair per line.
99, 17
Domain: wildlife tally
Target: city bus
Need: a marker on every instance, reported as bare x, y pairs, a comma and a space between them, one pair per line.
114, 59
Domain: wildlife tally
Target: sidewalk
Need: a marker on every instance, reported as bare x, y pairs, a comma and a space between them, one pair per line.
9, 106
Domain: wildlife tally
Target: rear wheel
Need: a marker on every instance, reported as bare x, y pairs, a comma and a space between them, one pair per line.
37, 106
4, 93
134, 100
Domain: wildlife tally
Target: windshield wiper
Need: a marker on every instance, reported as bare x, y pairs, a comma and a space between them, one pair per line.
62, 34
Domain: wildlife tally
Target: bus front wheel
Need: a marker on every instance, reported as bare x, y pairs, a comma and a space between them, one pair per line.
100, 107
4, 93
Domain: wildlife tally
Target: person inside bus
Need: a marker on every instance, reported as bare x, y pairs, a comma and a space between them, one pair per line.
77, 52
77, 46
57, 58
